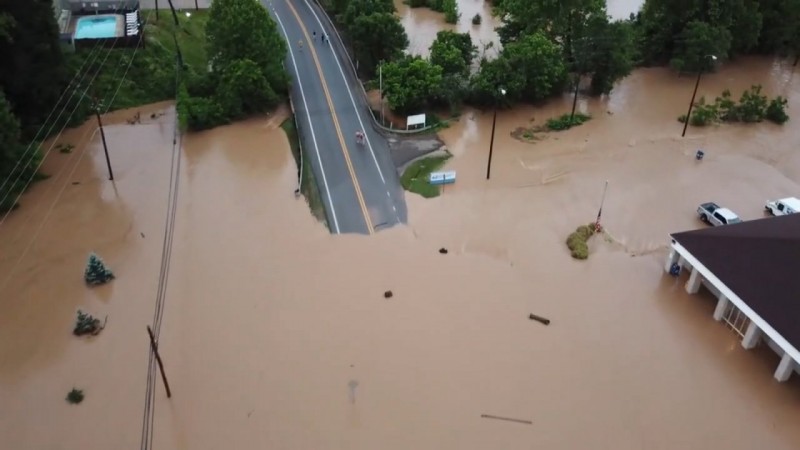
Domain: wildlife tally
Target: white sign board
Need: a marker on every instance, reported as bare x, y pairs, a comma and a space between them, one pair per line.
442, 177
415, 120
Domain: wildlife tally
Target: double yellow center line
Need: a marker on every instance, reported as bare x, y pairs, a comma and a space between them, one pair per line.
336, 125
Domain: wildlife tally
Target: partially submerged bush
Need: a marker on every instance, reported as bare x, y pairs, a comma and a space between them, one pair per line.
577, 242
75, 396
776, 111
566, 121
751, 107
96, 271
476, 19
87, 324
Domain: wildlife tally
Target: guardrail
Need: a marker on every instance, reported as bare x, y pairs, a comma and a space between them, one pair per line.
354, 72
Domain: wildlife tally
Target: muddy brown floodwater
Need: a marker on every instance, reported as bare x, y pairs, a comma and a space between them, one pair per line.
277, 334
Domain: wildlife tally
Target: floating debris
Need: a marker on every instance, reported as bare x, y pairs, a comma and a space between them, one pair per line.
388, 294
539, 319
488, 416
443, 251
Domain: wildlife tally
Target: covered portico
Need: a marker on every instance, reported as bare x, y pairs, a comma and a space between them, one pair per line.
752, 268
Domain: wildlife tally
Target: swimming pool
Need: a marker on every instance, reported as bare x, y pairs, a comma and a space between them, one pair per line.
97, 27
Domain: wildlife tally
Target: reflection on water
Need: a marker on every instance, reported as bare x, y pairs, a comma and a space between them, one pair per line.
270, 321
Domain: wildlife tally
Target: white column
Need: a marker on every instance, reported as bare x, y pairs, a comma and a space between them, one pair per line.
785, 368
722, 305
752, 336
693, 285
672, 258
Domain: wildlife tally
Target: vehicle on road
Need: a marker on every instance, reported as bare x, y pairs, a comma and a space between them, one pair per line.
784, 206
715, 215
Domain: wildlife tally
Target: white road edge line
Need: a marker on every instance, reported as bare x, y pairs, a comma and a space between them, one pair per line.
349, 93
308, 116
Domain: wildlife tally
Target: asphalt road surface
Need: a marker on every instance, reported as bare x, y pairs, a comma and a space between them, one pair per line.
358, 183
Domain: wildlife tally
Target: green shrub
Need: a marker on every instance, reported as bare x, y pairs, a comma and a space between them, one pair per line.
728, 110
203, 113
565, 121
703, 114
752, 106
436, 5
776, 111
75, 396
682, 118
476, 19
451, 13
417, 3
577, 241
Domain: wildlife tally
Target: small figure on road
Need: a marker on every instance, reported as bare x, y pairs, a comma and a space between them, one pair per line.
300, 44
359, 137
322, 36
314, 35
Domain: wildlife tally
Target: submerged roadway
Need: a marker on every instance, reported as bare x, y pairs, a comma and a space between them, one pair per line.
358, 183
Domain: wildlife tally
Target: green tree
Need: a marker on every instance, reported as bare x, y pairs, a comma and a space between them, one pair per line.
606, 51
700, 41
358, 8
34, 72
376, 37
530, 70
451, 13
780, 32
242, 29
12, 165
558, 19
243, 89
409, 83
453, 52
449, 39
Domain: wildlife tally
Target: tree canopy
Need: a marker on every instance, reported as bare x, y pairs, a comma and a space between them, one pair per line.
377, 37
243, 29
247, 53
410, 82
34, 70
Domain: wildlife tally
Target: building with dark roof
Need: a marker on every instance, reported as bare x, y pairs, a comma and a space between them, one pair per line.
752, 267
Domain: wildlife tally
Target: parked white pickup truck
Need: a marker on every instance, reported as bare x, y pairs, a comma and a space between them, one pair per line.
713, 214
789, 205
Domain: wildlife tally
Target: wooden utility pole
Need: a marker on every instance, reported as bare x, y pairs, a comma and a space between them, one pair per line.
96, 108
156, 10
154, 346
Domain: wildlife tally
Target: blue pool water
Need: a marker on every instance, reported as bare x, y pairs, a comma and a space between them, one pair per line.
96, 27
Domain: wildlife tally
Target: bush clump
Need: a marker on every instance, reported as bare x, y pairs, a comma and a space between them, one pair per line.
565, 121
87, 324
75, 396
776, 111
476, 19
451, 13
577, 242
752, 107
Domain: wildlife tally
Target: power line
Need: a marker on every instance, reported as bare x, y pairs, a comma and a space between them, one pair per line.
166, 257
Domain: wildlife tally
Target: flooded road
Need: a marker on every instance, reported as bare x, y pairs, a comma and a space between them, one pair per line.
277, 334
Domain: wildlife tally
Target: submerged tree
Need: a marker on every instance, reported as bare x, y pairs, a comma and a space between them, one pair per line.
96, 271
